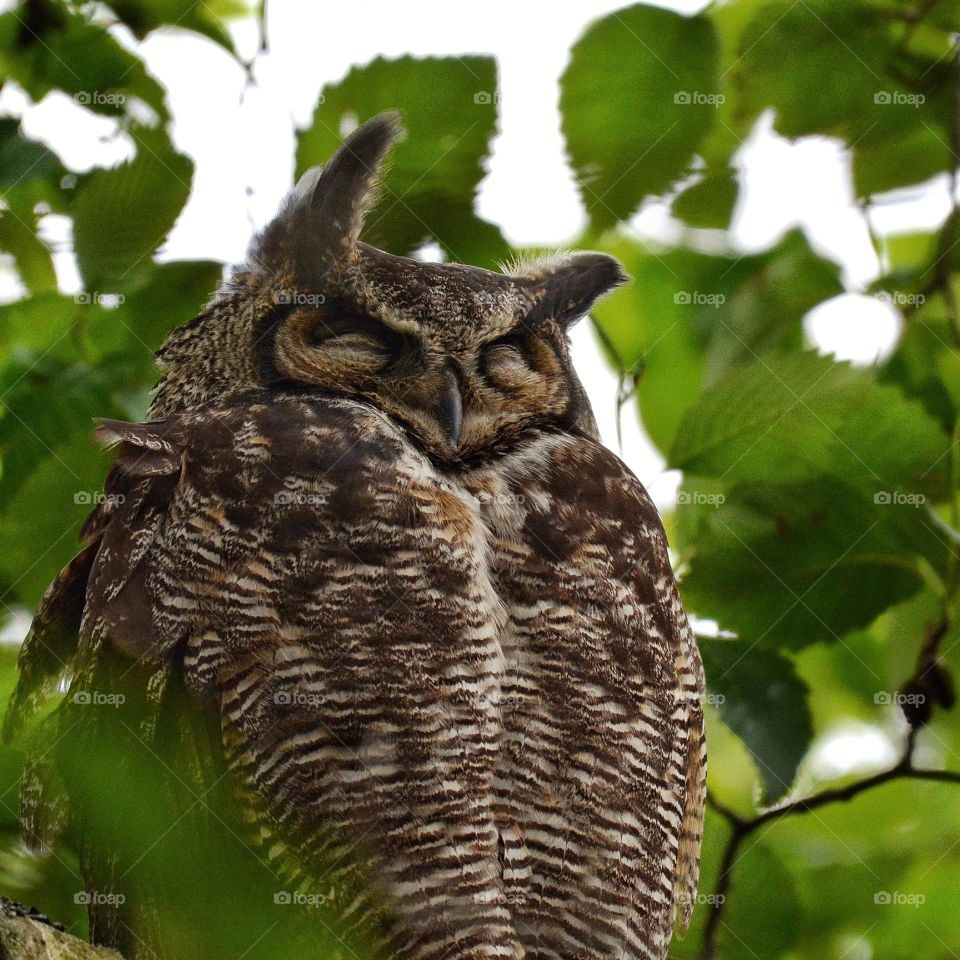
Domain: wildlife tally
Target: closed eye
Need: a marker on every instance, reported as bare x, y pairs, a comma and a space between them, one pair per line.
357, 340
505, 362
331, 326
357, 345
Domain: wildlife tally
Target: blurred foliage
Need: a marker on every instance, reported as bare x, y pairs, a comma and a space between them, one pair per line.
817, 517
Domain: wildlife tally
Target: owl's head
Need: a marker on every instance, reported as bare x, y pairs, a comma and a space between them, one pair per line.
465, 359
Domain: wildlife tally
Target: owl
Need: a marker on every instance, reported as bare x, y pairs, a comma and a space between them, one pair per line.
367, 574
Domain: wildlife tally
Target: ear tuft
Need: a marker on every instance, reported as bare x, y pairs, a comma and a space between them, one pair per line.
566, 286
321, 218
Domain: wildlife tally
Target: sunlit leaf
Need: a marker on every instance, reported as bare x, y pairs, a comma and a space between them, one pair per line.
638, 95
688, 318
49, 45
761, 698
792, 565
709, 202
793, 416
449, 110
122, 215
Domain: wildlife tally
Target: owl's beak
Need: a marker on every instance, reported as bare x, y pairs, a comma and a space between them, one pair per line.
450, 408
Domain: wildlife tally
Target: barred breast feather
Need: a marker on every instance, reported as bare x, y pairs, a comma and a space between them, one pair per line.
473, 689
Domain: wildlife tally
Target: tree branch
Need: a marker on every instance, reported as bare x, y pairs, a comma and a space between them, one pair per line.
24, 938
742, 827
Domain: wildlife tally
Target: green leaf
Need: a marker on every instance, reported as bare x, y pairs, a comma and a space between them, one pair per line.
709, 202
34, 263
838, 68
761, 698
48, 45
38, 543
792, 565
924, 365
122, 215
638, 96
46, 404
22, 159
895, 839
41, 324
203, 17
449, 108
912, 156
172, 294
770, 294
794, 416
764, 913
688, 318
845, 678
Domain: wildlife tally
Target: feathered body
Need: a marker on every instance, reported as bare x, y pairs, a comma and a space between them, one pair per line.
432, 618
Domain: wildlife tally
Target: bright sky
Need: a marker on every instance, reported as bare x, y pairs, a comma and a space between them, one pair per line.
242, 139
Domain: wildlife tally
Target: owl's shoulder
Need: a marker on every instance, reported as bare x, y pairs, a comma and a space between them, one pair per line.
578, 483
292, 433
259, 445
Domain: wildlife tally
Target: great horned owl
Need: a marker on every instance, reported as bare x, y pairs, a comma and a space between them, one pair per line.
370, 528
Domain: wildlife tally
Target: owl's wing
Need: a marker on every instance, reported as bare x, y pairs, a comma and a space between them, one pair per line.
113, 771
301, 567
603, 770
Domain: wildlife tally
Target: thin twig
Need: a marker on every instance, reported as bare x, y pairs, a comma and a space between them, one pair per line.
742, 827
